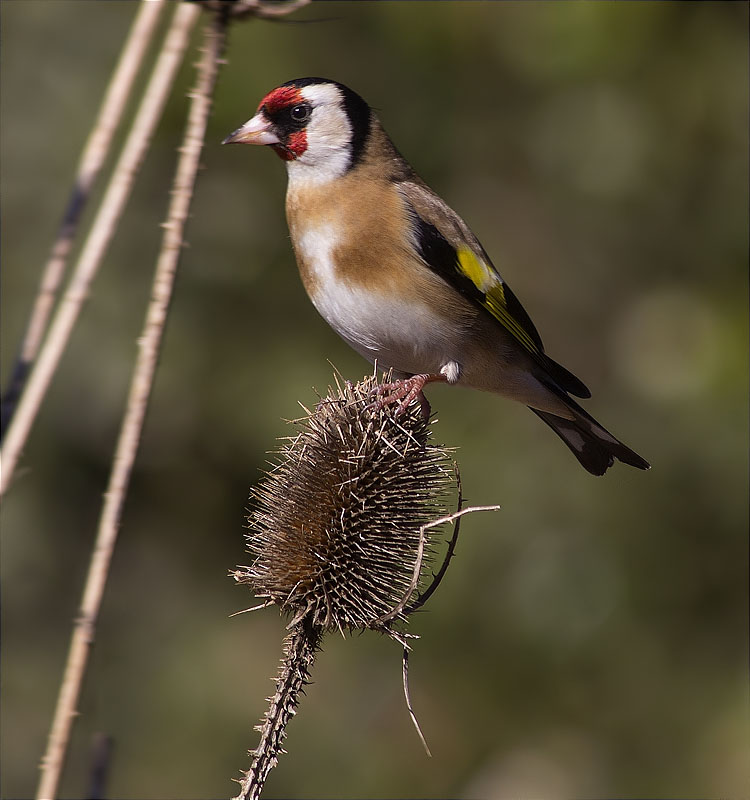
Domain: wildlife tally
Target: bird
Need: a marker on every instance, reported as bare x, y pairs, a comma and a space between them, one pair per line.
400, 276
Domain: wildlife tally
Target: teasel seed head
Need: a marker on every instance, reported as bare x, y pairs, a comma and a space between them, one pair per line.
339, 524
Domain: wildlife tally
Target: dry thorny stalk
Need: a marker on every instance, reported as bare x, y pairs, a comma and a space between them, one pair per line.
92, 160
39, 374
140, 390
342, 532
38, 360
149, 343
44, 343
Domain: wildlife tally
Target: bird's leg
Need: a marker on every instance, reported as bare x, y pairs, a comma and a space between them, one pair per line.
406, 390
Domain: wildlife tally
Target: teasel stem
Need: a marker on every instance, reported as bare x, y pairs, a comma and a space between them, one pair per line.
342, 533
300, 647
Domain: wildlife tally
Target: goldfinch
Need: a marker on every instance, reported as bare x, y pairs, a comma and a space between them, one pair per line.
399, 275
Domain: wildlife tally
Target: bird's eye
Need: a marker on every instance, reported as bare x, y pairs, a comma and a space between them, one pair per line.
300, 113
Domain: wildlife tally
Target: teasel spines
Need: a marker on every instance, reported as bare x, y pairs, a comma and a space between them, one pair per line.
336, 525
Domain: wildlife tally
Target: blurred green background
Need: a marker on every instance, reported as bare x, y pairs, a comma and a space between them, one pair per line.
591, 638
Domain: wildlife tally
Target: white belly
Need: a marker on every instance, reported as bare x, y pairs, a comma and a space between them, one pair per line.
396, 332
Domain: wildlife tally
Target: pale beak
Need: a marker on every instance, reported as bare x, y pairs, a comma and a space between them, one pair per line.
255, 131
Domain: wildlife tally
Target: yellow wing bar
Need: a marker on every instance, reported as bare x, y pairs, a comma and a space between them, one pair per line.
489, 283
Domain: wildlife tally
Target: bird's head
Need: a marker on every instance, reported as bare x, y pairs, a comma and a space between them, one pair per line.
311, 123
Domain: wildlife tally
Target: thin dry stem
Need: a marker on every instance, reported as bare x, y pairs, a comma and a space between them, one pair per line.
396, 610
140, 389
94, 154
407, 698
455, 518
101, 233
440, 574
294, 675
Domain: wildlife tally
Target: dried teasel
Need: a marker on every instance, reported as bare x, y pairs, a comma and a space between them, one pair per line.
335, 530
342, 531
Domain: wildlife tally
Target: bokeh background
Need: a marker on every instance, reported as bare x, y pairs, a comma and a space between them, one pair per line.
591, 638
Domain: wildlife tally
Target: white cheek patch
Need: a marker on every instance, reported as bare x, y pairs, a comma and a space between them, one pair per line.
329, 136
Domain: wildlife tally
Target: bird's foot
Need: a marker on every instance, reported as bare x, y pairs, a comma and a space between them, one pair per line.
404, 391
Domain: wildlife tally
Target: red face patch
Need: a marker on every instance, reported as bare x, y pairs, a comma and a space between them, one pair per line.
298, 143
293, 144
281, 98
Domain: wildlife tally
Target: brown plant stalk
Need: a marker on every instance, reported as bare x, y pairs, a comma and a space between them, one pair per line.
98, 239
294, 674
140, 389
92, 159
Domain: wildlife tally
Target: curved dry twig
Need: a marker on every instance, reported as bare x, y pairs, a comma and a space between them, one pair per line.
407, 697
422, 599
455, 517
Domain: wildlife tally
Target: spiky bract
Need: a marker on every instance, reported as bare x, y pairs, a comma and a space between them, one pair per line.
335, 530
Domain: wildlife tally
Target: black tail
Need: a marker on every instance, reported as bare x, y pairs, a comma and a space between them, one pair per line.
590, 443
